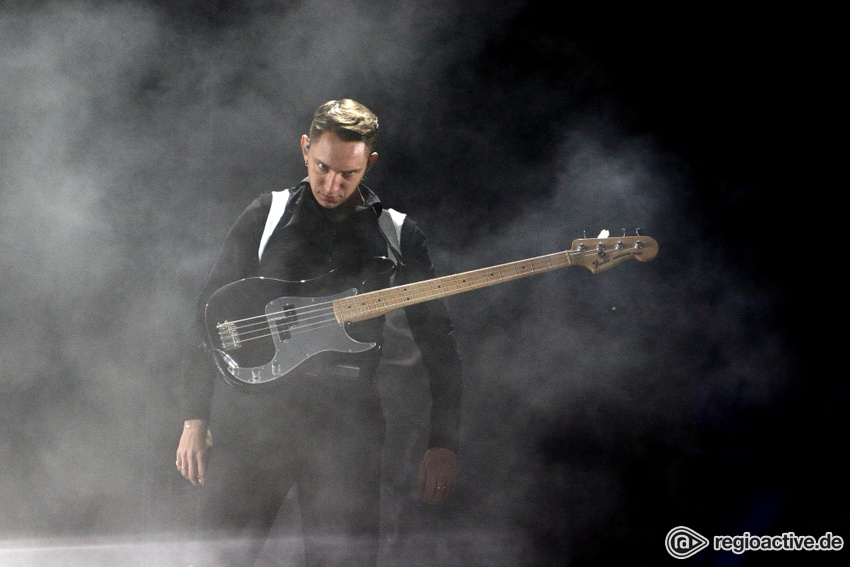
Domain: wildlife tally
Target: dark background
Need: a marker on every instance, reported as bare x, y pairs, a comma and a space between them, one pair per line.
600, 410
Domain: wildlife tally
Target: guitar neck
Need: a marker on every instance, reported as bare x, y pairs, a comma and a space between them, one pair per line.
376, 303
595, 254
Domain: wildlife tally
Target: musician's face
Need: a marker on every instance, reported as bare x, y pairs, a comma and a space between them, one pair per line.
335, 168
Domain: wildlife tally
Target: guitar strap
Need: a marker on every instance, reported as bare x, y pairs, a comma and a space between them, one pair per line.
390, 224
279, 201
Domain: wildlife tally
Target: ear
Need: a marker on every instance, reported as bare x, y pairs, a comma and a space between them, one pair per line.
305, 146
372, 159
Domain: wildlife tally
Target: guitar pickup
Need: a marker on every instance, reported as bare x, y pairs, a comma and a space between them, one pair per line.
282, 325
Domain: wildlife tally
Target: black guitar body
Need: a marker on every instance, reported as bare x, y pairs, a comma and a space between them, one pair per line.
263, 329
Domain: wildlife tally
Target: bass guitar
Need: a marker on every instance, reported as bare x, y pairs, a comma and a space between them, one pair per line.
264, 329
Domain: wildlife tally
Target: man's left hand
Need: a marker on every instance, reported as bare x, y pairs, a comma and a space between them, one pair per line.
437, 475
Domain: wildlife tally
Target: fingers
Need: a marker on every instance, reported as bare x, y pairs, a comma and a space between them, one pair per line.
436, 491
190, 469
192, 456
438, 488
191, 472
437, 475
191, 466
201, 465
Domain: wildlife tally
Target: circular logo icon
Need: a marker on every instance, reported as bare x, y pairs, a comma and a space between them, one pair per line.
682, 542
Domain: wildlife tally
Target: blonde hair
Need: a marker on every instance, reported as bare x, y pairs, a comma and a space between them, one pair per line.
348, 119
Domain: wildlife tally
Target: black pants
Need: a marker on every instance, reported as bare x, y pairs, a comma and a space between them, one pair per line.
321, 435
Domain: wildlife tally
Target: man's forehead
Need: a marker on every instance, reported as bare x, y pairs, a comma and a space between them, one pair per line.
329, 146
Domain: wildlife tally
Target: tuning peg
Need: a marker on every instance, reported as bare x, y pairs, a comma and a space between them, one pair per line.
637, 232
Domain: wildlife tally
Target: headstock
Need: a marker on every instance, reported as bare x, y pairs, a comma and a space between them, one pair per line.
604, 252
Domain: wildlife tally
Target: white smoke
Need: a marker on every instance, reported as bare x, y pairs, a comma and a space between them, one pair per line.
131, 135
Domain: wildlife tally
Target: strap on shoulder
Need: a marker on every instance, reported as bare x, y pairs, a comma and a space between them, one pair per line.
390, 222
279, 202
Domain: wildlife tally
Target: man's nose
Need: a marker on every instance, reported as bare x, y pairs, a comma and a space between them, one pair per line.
334, 182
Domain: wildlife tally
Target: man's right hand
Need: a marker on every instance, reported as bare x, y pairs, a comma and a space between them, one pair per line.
194, 449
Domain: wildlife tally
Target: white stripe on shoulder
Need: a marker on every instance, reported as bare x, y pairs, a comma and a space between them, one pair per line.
279, 200
398, 220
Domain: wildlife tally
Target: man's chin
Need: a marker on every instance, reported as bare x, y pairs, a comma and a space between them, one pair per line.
329, 203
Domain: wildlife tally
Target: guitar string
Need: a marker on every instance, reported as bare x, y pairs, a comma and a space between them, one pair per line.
297, 311
302, 325
323, 313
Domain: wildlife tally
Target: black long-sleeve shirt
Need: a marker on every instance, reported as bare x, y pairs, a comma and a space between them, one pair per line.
307, 244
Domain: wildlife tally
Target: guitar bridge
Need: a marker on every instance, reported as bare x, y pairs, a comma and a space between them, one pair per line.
228, 336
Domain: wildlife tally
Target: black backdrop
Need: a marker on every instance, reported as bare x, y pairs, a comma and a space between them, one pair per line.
600, 411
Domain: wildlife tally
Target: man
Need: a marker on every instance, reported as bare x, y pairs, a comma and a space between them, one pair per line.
320, 430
